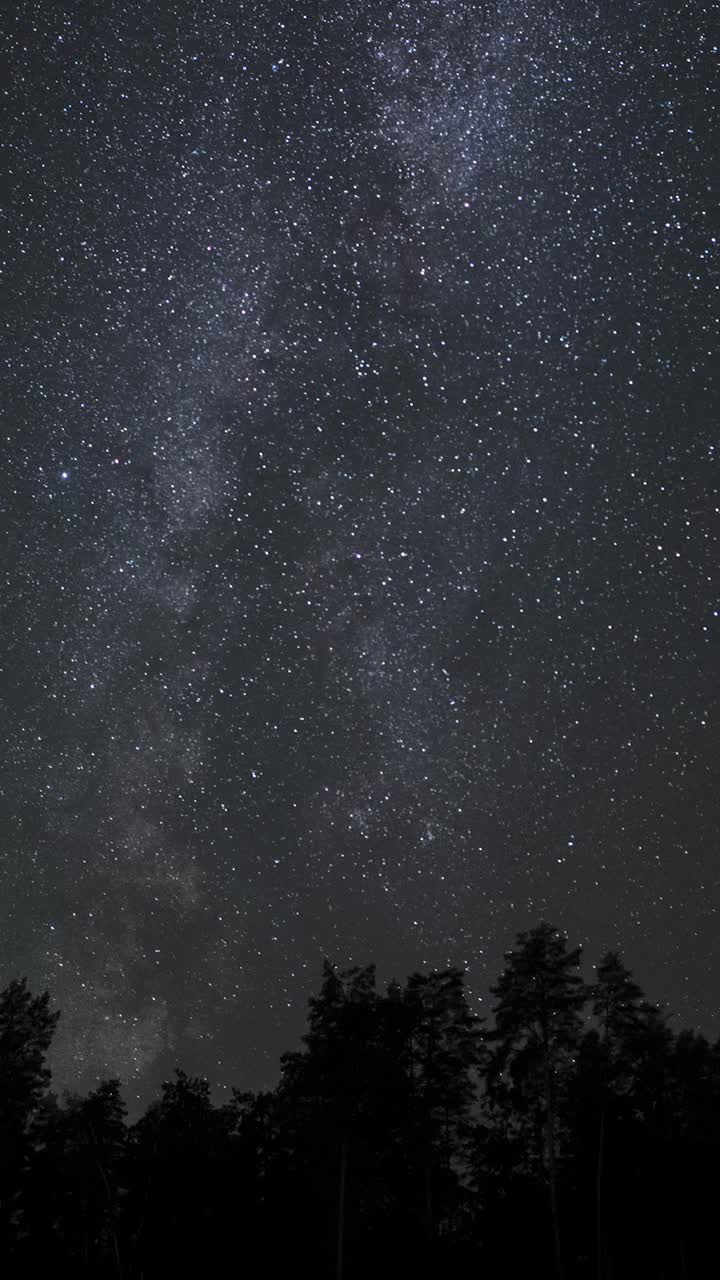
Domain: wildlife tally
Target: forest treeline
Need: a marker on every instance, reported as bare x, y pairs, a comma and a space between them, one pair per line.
572, 1134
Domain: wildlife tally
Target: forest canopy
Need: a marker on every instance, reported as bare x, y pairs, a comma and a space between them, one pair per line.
571, 1134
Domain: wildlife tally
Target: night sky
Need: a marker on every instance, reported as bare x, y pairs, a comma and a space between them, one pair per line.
359, 510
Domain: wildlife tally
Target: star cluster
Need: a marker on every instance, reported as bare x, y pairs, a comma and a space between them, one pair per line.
360, 578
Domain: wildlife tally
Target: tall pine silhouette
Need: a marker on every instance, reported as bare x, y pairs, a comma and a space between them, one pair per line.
27, 1026
537, 1010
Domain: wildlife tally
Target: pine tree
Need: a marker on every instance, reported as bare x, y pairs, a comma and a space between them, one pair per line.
630, 1031
538, 1000
618, 1004
94, 1153
26, 1030
443, 1053
327, 1087
176, 1159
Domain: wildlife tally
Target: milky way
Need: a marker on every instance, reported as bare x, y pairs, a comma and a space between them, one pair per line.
360, 590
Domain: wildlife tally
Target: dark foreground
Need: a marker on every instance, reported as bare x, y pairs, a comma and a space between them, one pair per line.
575, 1136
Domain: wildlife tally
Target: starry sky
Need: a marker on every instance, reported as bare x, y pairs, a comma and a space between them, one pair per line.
359, 507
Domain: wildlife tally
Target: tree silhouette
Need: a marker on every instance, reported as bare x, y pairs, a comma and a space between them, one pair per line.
325, 1094
537, 1007
27, 1026
624, 1019
443, 1054
94, 1155
401, 1141
177, 1161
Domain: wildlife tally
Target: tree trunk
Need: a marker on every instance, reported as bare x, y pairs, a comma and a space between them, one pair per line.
429, 1219
111, 1219
599, 1205
552, 1177
341, 1210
